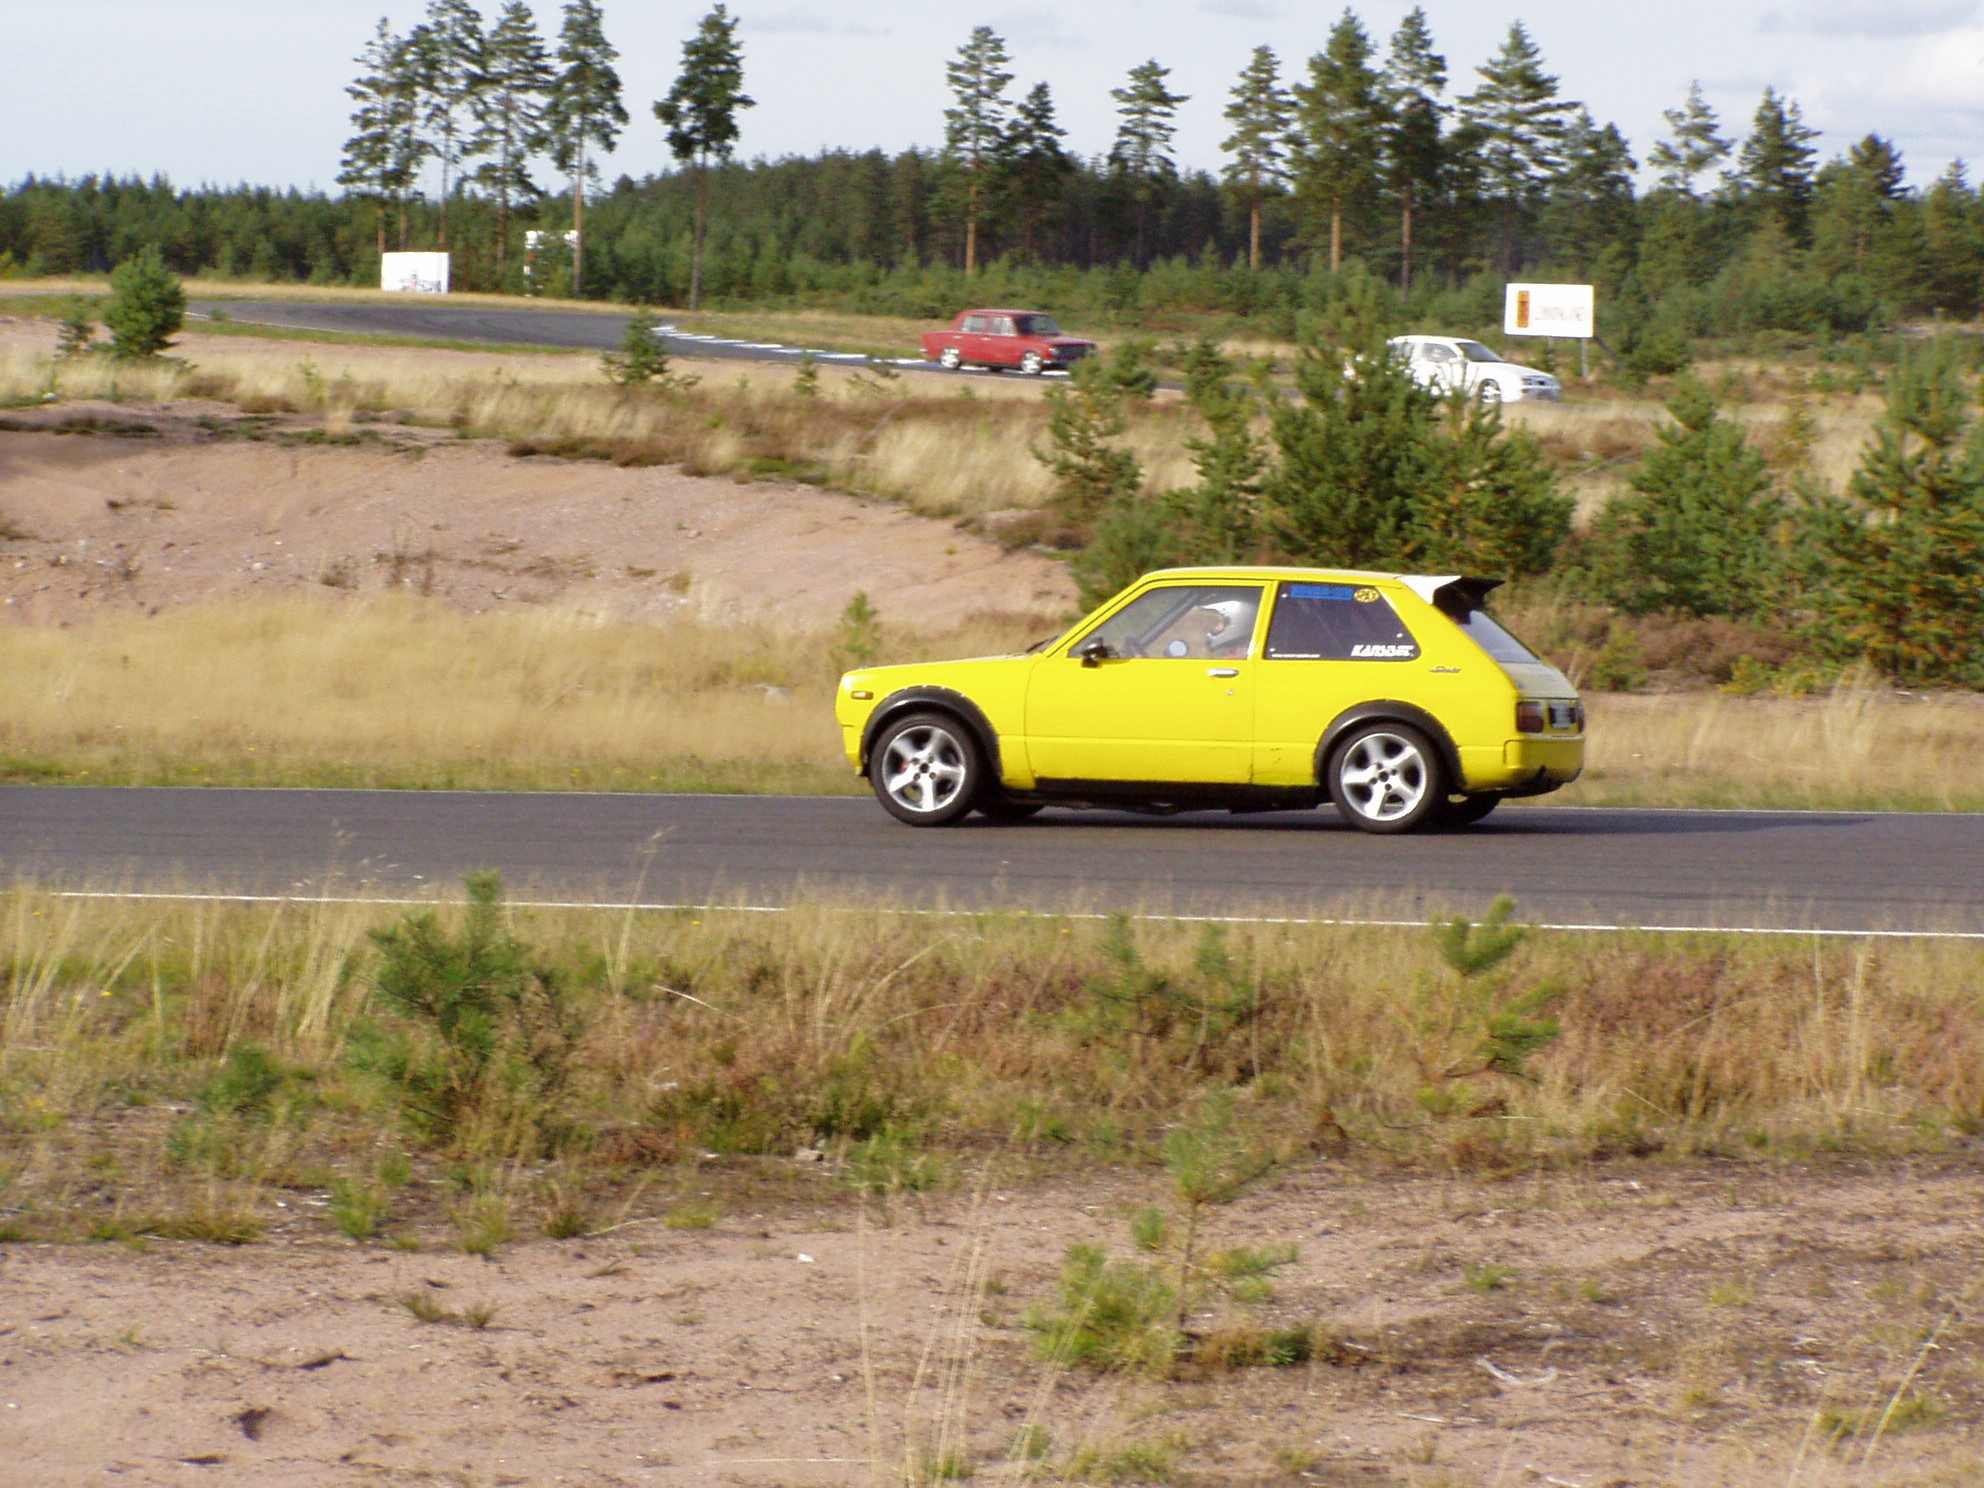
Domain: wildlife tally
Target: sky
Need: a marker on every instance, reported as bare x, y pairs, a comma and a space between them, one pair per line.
226, 91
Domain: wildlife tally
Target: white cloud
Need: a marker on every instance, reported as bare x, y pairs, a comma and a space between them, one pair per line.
1869, 18
1030, 27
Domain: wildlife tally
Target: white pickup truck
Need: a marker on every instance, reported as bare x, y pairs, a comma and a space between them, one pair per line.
1445, 363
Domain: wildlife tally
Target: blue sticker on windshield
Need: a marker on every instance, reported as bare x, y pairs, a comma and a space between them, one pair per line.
1321, 591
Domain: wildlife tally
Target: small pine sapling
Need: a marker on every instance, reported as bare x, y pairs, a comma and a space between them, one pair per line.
77, 333
1476, 1025
806, 375
146, 309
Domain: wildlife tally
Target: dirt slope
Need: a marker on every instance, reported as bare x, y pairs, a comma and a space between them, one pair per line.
191, 503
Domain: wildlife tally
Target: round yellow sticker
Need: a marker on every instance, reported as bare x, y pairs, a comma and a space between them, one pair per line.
1366, 596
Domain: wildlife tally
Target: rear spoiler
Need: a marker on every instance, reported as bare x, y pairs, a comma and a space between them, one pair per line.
1446, 591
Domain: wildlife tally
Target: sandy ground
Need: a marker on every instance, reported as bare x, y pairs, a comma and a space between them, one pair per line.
1651, 1325
197, 511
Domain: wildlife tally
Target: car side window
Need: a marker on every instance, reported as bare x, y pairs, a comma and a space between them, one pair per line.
1337, 622
974, 323
1193, 621
1002, 325
1439, 353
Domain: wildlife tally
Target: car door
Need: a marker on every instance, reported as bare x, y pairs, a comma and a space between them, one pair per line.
971, 338
1168, 699
1002, 342
1328, 647
1443, 370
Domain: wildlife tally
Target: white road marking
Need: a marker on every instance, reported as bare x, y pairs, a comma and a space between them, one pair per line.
686, 907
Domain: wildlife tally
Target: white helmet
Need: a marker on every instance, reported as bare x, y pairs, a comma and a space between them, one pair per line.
1229, 612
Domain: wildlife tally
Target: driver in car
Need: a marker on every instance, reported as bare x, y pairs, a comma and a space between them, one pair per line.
1230, 627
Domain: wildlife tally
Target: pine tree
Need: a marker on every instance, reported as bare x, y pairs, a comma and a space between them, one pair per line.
1854, 202
509, 112
584, 112
700, 114
1774, 168
1694, 148
1147, 112
444, 53
1701, 530
1341, 113
1260, 113
1520, 122
976, 127
1591, 198
1954, 242
1222, 512
1414, 150
382, 158
1908, 566
1036, 168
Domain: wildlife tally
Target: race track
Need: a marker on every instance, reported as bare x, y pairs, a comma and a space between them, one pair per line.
1830, 871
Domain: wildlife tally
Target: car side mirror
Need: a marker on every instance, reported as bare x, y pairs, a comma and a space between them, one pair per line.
1093, 651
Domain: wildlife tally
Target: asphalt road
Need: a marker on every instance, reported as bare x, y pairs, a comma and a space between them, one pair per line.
1834, 871
570, 329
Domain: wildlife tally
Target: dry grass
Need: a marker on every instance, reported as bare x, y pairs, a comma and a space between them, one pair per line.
409, 692
405, 692
122, 1025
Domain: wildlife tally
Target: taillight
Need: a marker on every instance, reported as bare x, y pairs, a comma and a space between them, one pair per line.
1529, 717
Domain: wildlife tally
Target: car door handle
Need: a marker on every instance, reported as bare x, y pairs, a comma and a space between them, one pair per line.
1222, 671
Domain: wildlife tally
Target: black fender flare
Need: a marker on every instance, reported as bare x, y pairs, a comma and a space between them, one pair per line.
1388, 711
938, 700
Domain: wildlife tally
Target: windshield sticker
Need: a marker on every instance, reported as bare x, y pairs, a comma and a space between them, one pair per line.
1371, 651
1322, 591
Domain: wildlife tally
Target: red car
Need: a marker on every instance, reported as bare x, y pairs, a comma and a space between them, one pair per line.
996, 339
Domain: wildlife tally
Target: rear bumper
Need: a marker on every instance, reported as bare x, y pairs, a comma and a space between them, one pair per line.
1528, 766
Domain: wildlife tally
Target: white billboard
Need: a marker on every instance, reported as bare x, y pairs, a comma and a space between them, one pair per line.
414, 273
1566, 310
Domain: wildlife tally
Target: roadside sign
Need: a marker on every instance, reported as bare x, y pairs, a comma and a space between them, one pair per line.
1566, 310
414, 273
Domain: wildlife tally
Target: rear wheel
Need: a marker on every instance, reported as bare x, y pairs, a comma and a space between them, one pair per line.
1387, 778
1490, 393
950, 359
926, 770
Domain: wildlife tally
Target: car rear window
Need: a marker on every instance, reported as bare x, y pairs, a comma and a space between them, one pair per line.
1476, 625
1337, 622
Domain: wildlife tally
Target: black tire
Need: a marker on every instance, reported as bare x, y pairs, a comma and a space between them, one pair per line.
950, 359
1031, 364
926, 770
1490, 393
997, 806
1387, 778
1467, 810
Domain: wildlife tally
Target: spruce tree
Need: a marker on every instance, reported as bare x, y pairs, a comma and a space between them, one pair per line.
1702, 530
976, 128
1695, 146
584, 112
1773, 172
1036, 167
1414, 147
700, 114
1908, 565
1519, 121
1147, 113
147, 306
1341, 114
1260, 113
509, 113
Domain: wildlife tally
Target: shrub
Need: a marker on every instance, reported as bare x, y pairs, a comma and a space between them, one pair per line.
146, 309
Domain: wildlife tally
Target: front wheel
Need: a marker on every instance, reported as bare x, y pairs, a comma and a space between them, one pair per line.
950, 359
1386, 777
926, 770
1031, 364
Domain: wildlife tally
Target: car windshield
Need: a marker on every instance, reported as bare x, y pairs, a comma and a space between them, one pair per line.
1038, 325
1474, 351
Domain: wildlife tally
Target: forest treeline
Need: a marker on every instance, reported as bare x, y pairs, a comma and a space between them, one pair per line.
1373, 155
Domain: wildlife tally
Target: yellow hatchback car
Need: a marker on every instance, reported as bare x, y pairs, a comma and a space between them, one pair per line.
1394, 696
